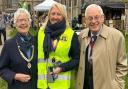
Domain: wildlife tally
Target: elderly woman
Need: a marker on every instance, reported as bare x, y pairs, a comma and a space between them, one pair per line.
18, 57
60, 53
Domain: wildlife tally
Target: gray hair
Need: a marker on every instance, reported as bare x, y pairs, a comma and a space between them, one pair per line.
19, 11
94, 6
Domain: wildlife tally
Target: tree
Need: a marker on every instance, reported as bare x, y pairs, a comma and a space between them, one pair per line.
23, 5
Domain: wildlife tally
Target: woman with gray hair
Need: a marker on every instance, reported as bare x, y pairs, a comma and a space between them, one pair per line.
18, 59
58, 51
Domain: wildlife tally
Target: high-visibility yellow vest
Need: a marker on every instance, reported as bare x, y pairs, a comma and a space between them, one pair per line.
63, 80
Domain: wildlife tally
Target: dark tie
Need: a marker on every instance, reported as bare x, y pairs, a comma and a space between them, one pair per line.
92, 42
89, 74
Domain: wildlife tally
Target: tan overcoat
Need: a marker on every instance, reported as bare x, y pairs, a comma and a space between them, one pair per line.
109, 59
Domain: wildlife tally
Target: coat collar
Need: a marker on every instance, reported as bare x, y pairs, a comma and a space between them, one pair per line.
104, 32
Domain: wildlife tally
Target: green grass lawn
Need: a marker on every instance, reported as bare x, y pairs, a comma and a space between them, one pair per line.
3, 84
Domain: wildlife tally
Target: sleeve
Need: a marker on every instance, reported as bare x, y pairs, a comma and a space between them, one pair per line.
5, 72
74, 53
121, 69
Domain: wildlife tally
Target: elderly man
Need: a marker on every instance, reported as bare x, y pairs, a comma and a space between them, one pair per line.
103, 62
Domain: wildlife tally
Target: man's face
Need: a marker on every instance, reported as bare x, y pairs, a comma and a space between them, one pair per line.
55, 15
94, 19
22, 23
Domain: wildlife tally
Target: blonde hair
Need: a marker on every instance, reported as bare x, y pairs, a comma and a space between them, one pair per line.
94, 6
63, 11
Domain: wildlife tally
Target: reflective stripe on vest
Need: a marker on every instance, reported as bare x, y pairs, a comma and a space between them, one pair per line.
59, 77
44, 61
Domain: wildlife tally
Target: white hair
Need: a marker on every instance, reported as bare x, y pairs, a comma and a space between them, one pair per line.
94, 6
19, 11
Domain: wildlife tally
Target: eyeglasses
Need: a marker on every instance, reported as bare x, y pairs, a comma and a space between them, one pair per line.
21, 20
96, 18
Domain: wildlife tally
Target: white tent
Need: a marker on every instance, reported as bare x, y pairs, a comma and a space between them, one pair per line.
44, 6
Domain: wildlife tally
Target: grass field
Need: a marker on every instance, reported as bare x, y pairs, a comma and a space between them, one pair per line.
3, 84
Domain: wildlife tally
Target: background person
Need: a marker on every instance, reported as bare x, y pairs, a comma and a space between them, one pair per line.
2, 27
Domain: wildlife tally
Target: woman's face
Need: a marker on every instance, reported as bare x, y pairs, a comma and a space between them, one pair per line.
55, 15
23, 23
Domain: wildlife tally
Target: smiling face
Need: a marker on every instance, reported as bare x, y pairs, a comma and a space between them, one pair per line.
94, 19
55, 15
22, 23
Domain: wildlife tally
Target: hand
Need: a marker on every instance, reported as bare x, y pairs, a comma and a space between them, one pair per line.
22, 77
57, 70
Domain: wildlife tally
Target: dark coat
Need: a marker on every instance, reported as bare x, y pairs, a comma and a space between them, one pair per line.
11, 62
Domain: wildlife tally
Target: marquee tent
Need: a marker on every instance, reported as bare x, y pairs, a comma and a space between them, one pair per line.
44, 6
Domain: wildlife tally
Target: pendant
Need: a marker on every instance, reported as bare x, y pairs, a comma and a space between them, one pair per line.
29, 65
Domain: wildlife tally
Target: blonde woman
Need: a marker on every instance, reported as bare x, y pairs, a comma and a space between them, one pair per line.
58, 50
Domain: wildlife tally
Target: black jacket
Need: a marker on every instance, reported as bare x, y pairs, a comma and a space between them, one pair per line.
11, 62
74, 54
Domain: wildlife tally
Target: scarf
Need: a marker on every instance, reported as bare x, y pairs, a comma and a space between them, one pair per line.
25, 43
52, 31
